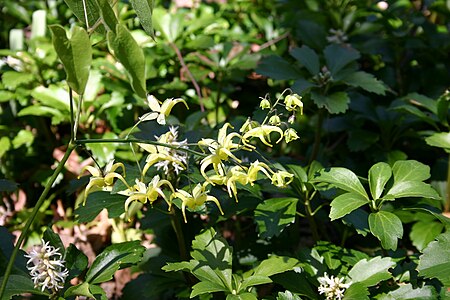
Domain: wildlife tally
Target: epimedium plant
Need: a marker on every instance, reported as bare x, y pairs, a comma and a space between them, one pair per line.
186, 167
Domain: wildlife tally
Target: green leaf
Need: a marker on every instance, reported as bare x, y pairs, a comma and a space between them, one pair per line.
131, 56
343, 179
407, 292
307, 57
53, 96
243, 296
366, 81
410, 170
345, 204
107, 14
277, 67
23, 137
37, 110
19, 284
144, 11
371, 272
170, 24
275, 265
81, 289
335, 103
287, 295
77, 7
76, 261
338, 57
54, 240
5, 145
387, 227
273, 215
104, 152
13, 79
379, 175
96, 202
412, 189
75, 53
422, 233
357, 291
204, 287
435, 261
439, 139
113, 258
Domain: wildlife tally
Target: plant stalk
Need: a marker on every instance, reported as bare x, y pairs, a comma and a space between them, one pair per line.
31, 219
447, 198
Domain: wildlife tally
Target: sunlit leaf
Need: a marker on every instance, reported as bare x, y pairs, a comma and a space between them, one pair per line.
371, 272
435, 261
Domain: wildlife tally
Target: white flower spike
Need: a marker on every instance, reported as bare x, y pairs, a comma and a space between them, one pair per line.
332, 287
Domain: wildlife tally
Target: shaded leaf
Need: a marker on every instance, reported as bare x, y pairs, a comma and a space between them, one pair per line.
287, 295
75, 53
338, 57
366, 81
379, 175
131, 56
422, 233
335, 103
76, 261
439, 139
7, 185
96, 202
435, 261
277, 67
113, 258
371, 272
54, 240
307, 57
345, 204
273, 215
19, 284
387, 227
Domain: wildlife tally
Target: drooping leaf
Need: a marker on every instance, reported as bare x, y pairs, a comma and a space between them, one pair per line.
338, 57
343, 179
435, 261
335, 103
131, 56
379, 175
96, 202
107, 15
366, 81
387, 227
144, 11
113, 258
308, 58
273, 215
371, 272
423, 232
75, 53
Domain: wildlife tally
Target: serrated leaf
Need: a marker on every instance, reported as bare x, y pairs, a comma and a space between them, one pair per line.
338, 57
131, 56
371, 272
345, 204
387, 227
422, 233
412, 189
277, 67
435, 261
407, 292
410, 170
366, 81
113, 258
75, 53
379, 175
287, 295
19, 284
273, 215
343, 179
144, 11
335, 103
96, 202
357, 291
308, 58
439, 139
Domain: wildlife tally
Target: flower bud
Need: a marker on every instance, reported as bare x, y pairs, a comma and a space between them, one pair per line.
274, 120
290, 134
293, 102
264, 104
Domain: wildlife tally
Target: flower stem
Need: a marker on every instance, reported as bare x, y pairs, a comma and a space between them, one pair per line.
31, 219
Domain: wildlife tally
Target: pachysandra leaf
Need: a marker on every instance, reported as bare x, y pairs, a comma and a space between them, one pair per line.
371, 272
408, 292
412, 189
422, 233
435, 261
387, 227
379, 175
410, 170
345, 204
342, 178
440, 139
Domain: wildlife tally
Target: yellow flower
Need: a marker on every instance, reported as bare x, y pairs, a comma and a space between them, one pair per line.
103, 180
150, 193
249, 124
255, 168
290, 134
282, 179
263, 133
198, 197
274, 120
160, 111
264, 104
293, 102
220, 151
